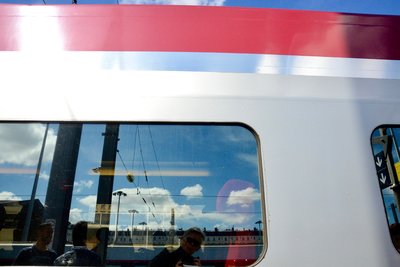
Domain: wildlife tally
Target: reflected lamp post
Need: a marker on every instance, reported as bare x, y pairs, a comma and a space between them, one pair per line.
119, 194
259, 229
144, 223
132, 211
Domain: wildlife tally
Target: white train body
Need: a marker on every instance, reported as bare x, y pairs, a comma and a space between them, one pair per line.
313, 115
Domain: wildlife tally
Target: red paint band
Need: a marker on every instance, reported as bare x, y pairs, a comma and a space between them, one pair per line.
207, 29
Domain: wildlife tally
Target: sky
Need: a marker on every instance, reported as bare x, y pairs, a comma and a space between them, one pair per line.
390, 7
207, 174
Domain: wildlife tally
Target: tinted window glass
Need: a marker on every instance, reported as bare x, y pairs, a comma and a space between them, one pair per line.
138, 186
387, 163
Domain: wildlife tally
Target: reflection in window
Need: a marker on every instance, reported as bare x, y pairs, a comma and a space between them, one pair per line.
387, 163
138, 185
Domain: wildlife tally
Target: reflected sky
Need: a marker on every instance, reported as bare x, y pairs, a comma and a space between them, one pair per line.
180, 167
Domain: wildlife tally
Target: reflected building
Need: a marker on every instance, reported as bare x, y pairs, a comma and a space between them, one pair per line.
13, 219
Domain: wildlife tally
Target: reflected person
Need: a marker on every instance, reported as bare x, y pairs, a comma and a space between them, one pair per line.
39, 253
79, 255
191, 242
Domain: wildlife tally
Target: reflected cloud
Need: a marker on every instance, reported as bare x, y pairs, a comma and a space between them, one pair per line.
21, 144
89, 201
159, 214
244, 198
192, 191
227, 218
45, 176
236, 135
83, 184
250, 158
9, 196
75, 215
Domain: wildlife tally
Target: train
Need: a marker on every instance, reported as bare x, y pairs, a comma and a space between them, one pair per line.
281, 122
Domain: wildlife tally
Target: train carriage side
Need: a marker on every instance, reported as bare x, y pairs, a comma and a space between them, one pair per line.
316, 94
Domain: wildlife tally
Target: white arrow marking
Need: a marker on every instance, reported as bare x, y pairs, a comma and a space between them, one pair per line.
383, 178
379, 162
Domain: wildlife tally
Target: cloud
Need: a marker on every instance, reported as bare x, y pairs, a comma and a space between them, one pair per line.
89, 201
9, 196
185, 215
250, 158
226, 218
44, 175
244, 198
237, 135
192, 191
176, 2
87, 212
75, 215
80, 185
141, 200
21, 143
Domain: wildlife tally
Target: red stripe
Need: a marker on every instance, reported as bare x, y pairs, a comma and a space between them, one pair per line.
205, 29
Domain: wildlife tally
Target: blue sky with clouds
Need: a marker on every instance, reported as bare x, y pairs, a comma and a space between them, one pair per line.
208, 174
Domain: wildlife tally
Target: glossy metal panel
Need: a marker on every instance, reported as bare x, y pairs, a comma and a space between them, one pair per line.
313, 115
15, 62
203, 29
321, 189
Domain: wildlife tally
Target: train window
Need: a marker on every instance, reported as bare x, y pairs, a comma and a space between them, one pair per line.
138, 187
385, 144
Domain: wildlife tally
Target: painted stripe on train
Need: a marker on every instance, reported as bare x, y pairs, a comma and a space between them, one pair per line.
47, 62
198, 29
